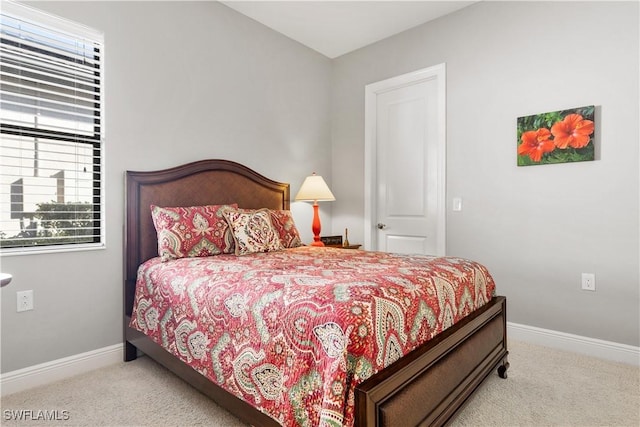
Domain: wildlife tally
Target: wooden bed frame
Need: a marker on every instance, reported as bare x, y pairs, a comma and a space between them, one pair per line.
425, 387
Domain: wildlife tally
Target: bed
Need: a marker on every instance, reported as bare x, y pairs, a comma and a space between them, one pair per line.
425, 386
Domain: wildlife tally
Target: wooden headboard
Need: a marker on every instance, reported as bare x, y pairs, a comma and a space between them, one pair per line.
206, 182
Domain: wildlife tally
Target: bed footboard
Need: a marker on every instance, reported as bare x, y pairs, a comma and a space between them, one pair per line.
426, 387
429, 385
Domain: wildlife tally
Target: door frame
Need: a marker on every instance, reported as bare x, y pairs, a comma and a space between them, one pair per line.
370, 147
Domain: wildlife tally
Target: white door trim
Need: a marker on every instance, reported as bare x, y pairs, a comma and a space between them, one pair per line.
371, 92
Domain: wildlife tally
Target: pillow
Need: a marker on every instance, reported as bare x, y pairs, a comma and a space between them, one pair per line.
283, 223
192, 231
252, 231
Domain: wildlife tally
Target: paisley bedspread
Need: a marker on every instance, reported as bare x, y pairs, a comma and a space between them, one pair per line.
293, 332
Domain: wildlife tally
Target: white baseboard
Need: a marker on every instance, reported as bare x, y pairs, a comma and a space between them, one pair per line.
45, 373
575, 343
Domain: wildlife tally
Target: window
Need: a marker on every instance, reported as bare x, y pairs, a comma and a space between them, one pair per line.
51, 136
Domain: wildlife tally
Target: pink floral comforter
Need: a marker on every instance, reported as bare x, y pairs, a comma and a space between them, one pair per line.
293, 332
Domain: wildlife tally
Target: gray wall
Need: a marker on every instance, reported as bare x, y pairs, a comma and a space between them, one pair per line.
184, 81
537, 228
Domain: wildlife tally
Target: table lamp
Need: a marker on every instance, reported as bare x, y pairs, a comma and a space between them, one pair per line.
315, 190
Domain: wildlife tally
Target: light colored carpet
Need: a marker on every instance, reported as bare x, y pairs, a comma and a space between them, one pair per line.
545, 387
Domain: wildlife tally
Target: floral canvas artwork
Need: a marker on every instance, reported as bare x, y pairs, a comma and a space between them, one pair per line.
556, 137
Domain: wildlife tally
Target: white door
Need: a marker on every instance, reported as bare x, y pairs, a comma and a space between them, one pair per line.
405, 163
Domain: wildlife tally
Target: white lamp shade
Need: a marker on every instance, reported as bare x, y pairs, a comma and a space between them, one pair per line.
314, 189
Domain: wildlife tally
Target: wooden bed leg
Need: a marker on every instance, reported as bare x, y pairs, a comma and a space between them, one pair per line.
502, 369
130, 352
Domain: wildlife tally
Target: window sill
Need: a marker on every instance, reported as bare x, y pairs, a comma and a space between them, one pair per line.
51, 250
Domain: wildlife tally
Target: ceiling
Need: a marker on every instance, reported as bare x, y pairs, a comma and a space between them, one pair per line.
334, 28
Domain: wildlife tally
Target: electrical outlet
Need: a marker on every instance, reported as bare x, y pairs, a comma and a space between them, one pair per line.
25, 300
588, 281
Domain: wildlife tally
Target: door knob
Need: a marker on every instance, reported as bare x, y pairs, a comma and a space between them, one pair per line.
381, 226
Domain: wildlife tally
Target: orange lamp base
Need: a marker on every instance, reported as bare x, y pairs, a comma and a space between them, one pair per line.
315, 226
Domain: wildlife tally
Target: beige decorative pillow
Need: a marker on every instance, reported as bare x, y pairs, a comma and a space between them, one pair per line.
252, 231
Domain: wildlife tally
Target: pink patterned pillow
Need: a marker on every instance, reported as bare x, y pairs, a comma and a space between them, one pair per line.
283, 223
252, 231
192, 231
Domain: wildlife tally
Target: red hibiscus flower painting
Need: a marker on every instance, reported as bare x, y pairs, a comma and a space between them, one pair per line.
556, 137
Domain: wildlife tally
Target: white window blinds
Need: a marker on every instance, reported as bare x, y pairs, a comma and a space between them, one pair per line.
51, 146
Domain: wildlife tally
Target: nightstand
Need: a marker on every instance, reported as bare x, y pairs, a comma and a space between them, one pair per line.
344, 247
